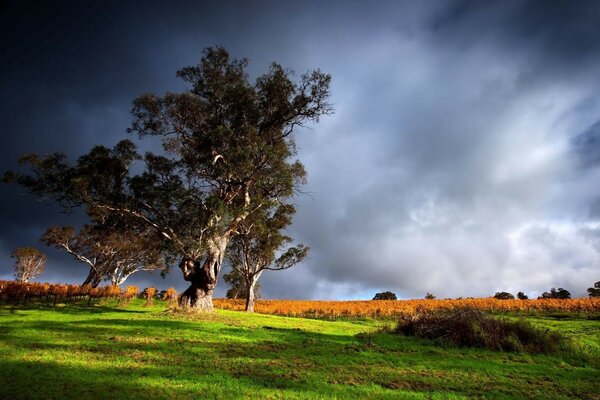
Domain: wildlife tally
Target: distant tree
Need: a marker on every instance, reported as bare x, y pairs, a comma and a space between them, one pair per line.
259, 245
429, 296
503, 296
594, 291
556, 294
228, 150
29, 263
385, 296
237, 283
112, 253
522, 296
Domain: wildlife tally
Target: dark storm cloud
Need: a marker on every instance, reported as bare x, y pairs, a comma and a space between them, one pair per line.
450, 166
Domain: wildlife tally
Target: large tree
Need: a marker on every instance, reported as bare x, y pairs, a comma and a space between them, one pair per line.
228, 152
29, 263
260, 245
112, 253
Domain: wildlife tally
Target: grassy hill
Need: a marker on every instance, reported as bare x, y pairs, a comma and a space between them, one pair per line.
78, 352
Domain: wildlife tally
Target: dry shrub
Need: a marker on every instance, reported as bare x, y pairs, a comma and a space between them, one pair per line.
130, 292
473, 328
150, 293
21, 292
171, 296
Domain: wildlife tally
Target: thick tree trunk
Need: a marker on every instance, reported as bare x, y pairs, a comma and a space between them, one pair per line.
93, 279
250, 295
203, 277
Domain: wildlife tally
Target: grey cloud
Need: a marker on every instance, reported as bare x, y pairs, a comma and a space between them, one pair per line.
449, 166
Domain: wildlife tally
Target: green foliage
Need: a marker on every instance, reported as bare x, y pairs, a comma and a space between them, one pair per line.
385, 296
260, 245
503, 296
594, 291
429, 296
228, 152
522, 296
238, 288
556, 294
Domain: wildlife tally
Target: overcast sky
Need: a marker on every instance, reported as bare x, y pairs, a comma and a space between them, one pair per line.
463, 157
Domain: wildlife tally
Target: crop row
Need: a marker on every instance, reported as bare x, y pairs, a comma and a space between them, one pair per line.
14, 291
392, 308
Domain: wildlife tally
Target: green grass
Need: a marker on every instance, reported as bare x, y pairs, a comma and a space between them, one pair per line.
78, 352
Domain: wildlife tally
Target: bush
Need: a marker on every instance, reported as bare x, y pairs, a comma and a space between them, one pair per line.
522, 296
504, 296
473, 328
556, 294
385, 296
150, 293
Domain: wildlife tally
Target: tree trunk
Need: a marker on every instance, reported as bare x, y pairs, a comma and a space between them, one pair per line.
250, 295
93, 279
203, 277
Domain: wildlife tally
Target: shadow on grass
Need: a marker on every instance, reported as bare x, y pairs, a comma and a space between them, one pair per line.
136, 356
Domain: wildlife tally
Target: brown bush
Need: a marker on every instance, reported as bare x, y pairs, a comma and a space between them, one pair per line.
473, 328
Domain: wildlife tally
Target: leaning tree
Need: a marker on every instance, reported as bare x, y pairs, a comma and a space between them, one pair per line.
111, 252
228, 148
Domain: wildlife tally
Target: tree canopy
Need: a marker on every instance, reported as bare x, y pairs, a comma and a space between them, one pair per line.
385, 296
228, 151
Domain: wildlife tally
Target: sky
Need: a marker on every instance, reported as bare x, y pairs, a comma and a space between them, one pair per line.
463, 157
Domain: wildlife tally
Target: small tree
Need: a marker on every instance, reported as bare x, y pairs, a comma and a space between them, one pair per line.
385, 296
429, 296
522, 296
504, 296
561, 293
594, 291
237, 283
30, 262
258, 241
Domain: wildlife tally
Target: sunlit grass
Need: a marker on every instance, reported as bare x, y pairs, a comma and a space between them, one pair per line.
79, 352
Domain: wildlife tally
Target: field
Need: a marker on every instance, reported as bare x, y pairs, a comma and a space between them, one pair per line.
103, 351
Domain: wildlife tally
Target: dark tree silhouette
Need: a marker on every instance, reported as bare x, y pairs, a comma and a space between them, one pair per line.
503, 296
556, 294
385, 296
594, 291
